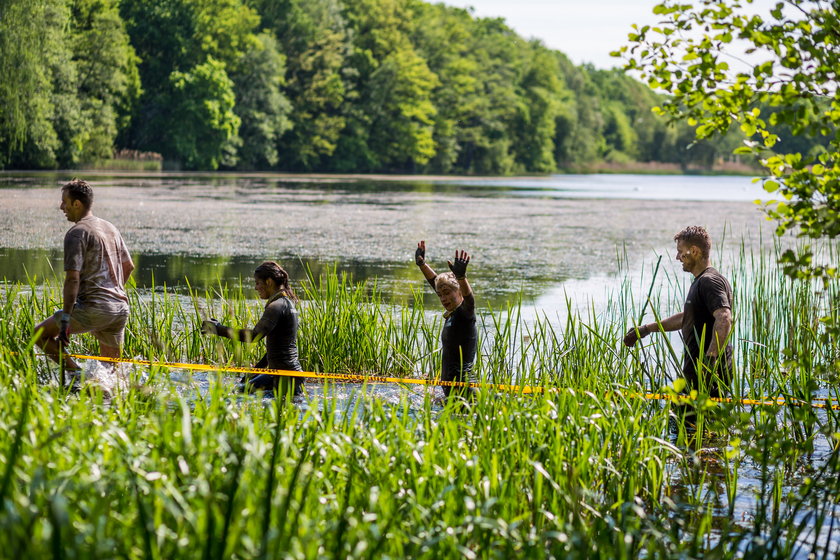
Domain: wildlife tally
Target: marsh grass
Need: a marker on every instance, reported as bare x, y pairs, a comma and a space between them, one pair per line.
585, 471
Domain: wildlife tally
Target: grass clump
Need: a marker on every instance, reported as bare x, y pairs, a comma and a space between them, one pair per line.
582, 471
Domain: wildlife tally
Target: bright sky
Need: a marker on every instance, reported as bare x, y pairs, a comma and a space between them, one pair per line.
585, 30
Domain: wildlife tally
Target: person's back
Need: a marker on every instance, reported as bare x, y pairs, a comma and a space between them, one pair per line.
95, 248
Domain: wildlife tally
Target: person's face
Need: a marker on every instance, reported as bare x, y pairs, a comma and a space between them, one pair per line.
265, 288
687, 255
73, 209
450, 298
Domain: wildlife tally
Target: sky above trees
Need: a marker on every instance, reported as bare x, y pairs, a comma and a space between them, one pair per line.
584, 30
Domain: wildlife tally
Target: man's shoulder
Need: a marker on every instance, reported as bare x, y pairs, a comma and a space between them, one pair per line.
77, 230
712, 277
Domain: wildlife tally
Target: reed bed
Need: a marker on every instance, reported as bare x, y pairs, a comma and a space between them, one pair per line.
584, 470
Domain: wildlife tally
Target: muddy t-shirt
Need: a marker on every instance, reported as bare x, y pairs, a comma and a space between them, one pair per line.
709, 292
96, 249
279, 325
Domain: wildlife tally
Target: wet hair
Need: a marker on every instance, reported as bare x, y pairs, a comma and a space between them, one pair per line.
447, 279
270, 269
80, 190
697, 236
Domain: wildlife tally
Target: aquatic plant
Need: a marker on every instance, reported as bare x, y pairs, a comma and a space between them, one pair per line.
581, 469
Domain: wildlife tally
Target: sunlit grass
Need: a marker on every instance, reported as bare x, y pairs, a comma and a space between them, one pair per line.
586, 471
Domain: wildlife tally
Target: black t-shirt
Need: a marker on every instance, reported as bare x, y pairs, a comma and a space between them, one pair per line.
458, 341
709, 292
279, 324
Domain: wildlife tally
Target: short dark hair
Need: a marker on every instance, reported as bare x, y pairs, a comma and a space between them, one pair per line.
80, 190
697, 236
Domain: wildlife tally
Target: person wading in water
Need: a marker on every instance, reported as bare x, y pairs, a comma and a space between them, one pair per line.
278, 325
459, 335
96, 267
705, 322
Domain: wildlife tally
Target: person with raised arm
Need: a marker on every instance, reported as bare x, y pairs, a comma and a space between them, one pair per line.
278, 325
459, 334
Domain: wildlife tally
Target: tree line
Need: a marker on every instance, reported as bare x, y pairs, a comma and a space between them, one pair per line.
313, 86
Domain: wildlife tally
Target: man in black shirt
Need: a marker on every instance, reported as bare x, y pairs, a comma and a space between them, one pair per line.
706, 319
459, 335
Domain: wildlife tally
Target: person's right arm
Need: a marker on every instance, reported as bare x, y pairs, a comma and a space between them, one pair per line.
265, 325
212, 326
420, 261
672, 323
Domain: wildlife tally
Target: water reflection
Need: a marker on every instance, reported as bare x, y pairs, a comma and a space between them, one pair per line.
531, 236
180, 273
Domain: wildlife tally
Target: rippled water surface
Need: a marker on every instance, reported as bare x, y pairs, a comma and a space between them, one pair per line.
541, 237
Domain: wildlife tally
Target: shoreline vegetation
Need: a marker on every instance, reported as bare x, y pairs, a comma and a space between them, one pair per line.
176, 466
155, 167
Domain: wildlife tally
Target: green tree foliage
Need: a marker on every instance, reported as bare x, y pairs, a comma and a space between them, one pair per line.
28, 32
203, 99
314, 36
390, 123
68, 77
790, 83
206, 57
260, 104
542, 93
384, 86
107, 79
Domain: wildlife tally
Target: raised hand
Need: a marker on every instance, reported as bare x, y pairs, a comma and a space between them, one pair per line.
459, 267
420, 254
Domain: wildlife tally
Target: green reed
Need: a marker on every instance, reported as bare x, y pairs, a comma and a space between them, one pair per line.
584, 471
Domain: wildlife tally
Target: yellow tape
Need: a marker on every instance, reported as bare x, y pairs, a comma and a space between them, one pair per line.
522, 389
351, 378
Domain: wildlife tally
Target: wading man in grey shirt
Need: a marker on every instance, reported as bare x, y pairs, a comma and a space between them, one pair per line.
96, 266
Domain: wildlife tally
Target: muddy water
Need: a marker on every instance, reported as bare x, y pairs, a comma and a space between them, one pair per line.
532, 236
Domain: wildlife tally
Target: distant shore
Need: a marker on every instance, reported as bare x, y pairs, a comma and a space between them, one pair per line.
633, 168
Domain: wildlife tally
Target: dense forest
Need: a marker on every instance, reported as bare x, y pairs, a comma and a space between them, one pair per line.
312, 85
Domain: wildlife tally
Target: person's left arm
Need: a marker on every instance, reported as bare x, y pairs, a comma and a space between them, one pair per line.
459, 268
212, 326
720, 332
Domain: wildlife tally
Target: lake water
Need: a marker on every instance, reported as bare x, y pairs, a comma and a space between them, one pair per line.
539, 237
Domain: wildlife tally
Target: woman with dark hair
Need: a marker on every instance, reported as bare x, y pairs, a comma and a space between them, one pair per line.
278, 325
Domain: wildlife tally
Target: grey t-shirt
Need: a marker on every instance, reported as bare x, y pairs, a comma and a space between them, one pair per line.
96, 249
